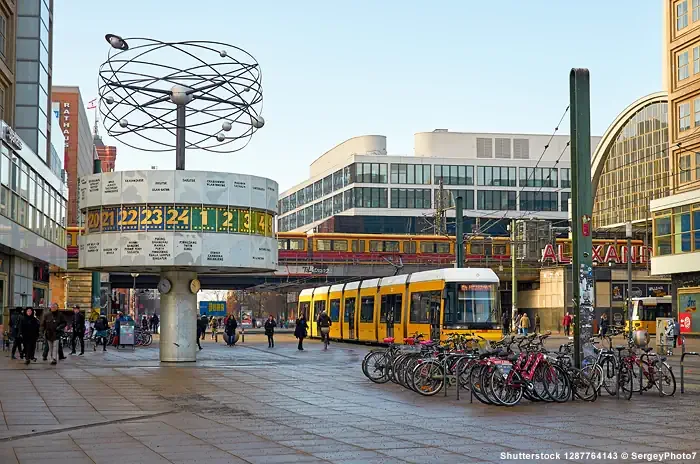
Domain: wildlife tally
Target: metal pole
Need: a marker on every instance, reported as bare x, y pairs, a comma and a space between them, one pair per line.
95, 278
459, 232
180, 139
582, 209
514, 276
628, 233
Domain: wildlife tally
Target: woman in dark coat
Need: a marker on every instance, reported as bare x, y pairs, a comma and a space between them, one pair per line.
270, 325
300, 331
230, 329
29, 328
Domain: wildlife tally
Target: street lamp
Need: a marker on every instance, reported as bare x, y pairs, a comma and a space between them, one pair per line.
628, 234
134, 275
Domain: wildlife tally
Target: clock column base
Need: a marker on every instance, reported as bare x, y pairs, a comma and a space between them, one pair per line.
178, 319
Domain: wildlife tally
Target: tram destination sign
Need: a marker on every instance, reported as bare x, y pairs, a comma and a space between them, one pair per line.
602, 254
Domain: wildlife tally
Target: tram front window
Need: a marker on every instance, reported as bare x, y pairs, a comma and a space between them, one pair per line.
476, 306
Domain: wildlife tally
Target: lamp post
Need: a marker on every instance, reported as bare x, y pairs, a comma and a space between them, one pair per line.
134, 275
628, 235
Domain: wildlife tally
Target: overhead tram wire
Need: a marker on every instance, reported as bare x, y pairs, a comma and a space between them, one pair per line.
546, 147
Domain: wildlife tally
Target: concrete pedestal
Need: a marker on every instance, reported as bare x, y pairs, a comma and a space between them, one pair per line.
178, 319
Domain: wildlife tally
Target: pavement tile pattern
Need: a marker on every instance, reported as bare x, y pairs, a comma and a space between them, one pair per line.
251, 404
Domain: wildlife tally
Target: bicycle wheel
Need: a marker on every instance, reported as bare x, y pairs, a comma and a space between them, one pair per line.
506, 390
376, 367
664, 379
475, 383
626, 382
583, 381
428, 378
608, 369
556, 382
539, 388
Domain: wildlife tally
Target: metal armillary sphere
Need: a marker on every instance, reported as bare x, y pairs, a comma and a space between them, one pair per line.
208, 98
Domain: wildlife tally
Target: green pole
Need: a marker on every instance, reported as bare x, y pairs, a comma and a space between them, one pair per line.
95, 293
581, 210
459, 232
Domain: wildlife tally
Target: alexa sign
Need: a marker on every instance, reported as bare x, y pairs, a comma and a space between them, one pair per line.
601, 254
12, 138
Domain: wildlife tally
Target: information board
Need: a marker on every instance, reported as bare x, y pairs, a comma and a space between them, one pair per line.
212, 308
126, 333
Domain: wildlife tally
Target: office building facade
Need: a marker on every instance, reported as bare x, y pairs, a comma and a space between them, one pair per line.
357, 187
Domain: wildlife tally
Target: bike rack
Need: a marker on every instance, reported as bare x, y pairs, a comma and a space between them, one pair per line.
689, 353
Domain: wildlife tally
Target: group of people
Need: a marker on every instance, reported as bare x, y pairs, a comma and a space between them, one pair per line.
229, 324
150, 323
26, 330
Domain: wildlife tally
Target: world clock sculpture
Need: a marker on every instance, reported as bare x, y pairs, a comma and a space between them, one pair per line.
178, 96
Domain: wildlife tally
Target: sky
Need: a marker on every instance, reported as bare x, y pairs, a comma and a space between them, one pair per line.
336, 70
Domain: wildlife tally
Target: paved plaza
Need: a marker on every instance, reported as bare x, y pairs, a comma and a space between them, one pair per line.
251, 404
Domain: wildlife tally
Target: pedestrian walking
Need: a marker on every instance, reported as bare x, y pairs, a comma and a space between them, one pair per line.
518, 330
29, 330
51, 326
604, 324
215, 329
524, 324
566, 322
676, 331
101, 333
270, 325
324, 328
155, 320
254, 322
78, 330
15, 322
300, 331
201, 329
230, 330
537, 323
505, 321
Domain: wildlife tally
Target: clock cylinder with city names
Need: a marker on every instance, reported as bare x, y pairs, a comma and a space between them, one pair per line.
157, 220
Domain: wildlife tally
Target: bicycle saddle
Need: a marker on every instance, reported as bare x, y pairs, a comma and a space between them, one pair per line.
389, 340
620, 347
647, 350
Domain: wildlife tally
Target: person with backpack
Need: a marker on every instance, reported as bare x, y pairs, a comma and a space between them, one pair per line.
101, 333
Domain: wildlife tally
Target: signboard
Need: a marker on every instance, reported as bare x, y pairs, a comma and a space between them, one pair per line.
222, 220
664, 331
686, 322
126, 333
618, 292
601, 253
212, 308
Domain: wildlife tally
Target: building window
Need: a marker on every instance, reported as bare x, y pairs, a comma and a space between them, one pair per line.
454, 175
450, 195
496, 176
411, 198
682, 15
565, 201
410, 174
371, 197
696, 59
3, 35
371, 173
683, 117
327, 185
338, 180
683, 66
496, 200
539, 201
696, 10
685, 170
539, 177
2, 103
565, 177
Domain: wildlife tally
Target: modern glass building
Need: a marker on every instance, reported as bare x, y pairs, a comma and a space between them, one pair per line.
630, 166
357, 188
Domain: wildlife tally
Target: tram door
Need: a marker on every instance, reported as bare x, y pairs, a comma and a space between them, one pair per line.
435, 320
350, 317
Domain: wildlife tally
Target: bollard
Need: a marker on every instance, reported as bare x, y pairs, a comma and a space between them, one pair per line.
689, 353
242, 335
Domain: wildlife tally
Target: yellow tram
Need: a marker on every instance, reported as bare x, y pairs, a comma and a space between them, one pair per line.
646, 310
434, 303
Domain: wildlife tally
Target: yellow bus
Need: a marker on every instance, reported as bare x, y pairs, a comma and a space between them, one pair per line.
434, 303
646, 310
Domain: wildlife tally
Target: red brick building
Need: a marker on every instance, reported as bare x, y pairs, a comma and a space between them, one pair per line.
107, 154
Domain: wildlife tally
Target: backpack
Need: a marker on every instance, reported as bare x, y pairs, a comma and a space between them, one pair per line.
100, 325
